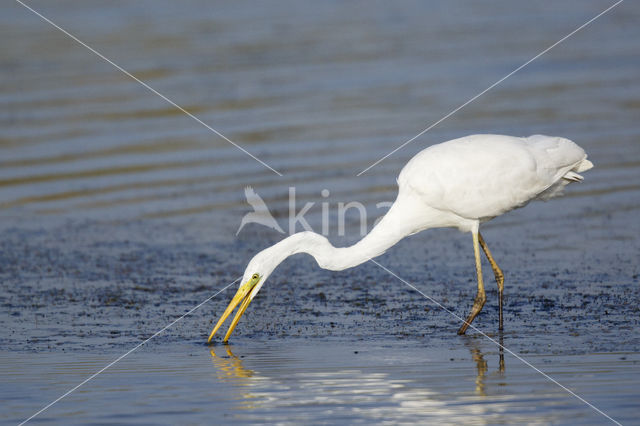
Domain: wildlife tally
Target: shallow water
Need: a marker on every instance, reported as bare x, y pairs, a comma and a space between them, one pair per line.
118, 213
297, 381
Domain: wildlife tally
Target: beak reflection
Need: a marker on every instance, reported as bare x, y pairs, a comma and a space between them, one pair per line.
229, 366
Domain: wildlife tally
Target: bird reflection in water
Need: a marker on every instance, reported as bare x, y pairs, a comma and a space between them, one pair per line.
481, 364
230, 367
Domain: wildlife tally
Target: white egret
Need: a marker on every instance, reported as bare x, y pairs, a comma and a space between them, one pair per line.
460, 183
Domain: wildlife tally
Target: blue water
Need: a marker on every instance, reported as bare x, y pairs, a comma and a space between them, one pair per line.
296, 381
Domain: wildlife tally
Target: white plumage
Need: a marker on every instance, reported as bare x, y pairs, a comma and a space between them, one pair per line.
479, 177
460, 183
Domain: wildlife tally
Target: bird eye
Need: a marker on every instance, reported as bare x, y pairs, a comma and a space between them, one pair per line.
255, 277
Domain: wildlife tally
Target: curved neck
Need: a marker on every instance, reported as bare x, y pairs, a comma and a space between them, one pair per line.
393, 227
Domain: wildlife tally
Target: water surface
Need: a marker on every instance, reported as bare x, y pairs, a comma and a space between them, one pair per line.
294, 381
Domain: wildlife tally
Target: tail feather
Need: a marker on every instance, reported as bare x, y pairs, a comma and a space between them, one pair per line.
573, 177
583, 166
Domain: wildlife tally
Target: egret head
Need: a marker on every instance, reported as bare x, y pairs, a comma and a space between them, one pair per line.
256, 273
263, 264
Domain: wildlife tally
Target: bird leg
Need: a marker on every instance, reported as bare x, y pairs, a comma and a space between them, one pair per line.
499, 276
478, 302
501, 353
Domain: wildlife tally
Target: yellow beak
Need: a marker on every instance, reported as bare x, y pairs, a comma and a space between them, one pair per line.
243, 295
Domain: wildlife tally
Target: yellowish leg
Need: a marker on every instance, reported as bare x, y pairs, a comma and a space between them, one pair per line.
499, 276
501, 352
478, 303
